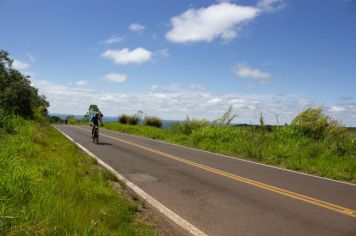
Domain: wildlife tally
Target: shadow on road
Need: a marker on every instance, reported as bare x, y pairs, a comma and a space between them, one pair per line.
105, 144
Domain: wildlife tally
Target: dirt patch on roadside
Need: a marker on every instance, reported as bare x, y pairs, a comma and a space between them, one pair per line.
148, 214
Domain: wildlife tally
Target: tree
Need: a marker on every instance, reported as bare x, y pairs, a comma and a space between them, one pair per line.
94, 109
17, 96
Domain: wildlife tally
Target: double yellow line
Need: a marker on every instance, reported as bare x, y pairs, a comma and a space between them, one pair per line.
301, 197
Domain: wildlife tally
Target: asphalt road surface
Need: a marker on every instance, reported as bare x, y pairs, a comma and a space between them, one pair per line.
226, 196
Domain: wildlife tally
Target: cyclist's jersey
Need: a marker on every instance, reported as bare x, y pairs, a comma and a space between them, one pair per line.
95, 120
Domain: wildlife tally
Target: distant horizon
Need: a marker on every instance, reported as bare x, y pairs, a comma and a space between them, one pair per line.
171, 121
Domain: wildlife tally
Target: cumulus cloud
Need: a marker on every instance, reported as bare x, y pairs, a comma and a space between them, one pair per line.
125, 56
346, 98
177, 104
337, 109
222, 20
81, 82
115, 78
136, 27
31, 57
205, 24
20, 65
214, 101
112, 39
197, 87
163, 53
244, 71
178, 87
153, 86
271, 5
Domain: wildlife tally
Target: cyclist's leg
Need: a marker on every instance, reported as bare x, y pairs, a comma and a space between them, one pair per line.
92, 131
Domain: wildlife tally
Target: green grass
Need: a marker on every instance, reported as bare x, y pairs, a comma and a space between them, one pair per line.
49, 187
283, 146
352, 130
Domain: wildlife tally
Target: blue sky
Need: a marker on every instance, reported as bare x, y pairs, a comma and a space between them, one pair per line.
196, 58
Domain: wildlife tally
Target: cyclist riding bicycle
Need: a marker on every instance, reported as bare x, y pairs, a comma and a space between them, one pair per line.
95, 122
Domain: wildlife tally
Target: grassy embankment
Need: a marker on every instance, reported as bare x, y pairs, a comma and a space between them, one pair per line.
332, 156
49, 187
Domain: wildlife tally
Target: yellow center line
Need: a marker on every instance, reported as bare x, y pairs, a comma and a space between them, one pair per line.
301, 197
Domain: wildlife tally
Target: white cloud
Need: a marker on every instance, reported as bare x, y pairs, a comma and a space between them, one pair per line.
205, 24
29, 73
125, 56
113, 39
154, 86
176, 105
271, 5
20, 65
337, 109
136, 27
197, 87
163, 53
116, 78
214, 101
175, 85
178, 87
244, 71
31, 57
81, 82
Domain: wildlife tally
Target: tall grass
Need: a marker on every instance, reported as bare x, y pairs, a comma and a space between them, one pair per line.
48, 187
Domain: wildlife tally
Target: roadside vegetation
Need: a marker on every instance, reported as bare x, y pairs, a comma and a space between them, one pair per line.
312, 143
152, 121
47, 186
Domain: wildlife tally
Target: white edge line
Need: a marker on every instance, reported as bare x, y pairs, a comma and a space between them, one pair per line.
153, 202
235, 158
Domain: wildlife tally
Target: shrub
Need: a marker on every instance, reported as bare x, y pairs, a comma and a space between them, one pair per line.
336, 131
124, 119
71, 119
189, 125
153, 121
55, 119
133, 120
315, 124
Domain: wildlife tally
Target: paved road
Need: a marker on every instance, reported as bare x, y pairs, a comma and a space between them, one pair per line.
226, 196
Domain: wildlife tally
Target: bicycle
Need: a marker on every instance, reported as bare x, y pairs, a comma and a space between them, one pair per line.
96, 135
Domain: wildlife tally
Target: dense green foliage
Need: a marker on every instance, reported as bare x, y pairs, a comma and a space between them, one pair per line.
48, 187
327, 151
6, 124
313, 123
124, 119
189, 125
93, 109
55, 119
153, 121
17, 96
133, 120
